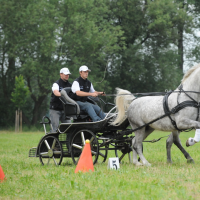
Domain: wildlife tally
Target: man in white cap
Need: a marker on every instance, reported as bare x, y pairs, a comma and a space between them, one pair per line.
83, 88
56, 108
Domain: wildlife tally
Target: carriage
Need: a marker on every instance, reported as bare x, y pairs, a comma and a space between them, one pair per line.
69, 139
174, 111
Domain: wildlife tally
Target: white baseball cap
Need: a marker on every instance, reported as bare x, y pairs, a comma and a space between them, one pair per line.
84, 68
65, 71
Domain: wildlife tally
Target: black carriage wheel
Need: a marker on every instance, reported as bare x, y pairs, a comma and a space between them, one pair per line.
103, 152
78, 142
50, 151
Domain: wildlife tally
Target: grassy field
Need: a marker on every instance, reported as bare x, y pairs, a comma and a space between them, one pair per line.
27, 179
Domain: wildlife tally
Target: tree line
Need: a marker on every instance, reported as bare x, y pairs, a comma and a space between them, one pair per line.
141, 44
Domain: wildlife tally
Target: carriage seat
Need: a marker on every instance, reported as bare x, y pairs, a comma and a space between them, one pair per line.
71, 108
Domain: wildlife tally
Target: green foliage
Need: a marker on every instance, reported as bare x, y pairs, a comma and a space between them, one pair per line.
20, 93
140, 41
151, 35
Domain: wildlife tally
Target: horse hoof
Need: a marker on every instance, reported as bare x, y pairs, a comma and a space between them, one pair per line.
147, 164
190, 161
138, 164
169, 162
187, 144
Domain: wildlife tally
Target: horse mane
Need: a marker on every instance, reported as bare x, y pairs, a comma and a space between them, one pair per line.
189, 72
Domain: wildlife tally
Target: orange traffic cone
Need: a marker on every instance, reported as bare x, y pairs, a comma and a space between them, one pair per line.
85, 162
2, 175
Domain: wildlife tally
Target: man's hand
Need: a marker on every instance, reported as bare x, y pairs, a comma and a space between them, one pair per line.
94, 94
102, 93
99, 93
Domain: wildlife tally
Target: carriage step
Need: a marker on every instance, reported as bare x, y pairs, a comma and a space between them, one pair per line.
32, 152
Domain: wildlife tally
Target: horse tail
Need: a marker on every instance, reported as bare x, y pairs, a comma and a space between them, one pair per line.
122, 102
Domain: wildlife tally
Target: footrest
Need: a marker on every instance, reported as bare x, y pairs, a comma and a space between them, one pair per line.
32, 152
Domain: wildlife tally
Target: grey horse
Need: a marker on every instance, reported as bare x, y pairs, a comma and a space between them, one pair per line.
140, 111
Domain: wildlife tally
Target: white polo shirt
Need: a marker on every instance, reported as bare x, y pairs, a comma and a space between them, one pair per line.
55, 87
76, 87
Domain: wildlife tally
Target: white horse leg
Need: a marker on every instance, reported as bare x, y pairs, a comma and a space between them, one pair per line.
140, 135
148, 130
174, 138
177, 142
135, 159
169, 143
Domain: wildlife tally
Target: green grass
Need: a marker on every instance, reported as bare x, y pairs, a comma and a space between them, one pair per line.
27, 179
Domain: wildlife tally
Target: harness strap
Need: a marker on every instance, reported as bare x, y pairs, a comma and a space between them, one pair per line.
187, 94
197, 103
183, 105
197, 119
166, 110
156, 140
180, 106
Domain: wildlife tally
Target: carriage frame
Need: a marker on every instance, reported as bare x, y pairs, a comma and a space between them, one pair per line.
69, 139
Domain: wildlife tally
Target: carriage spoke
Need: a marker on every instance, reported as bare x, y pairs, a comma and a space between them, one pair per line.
48, 161
54, 143
54, 161
57, 152
93, 152
44, 154
77, 146
91, 140
47, 145
83, 138
101, 154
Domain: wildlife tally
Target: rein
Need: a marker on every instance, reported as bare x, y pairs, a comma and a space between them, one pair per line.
148, 94
156, 140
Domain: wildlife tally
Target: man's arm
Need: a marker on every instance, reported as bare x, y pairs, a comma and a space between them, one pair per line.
92, 93
55, 90
86, 94
57, 93
76, 89
93, 90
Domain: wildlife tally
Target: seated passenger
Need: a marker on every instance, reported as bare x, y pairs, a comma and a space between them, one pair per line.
81, 89
56, 108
